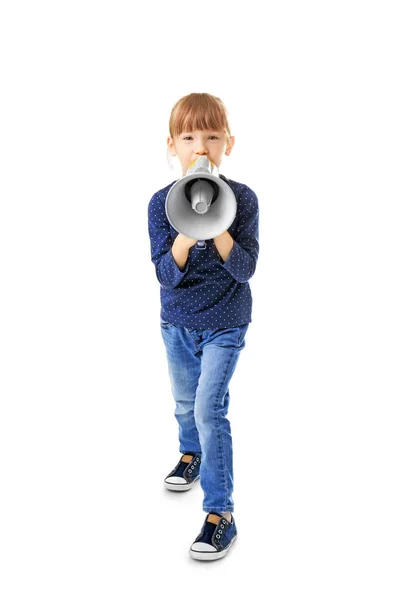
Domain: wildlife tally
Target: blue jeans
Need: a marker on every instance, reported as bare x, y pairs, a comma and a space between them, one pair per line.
201, 364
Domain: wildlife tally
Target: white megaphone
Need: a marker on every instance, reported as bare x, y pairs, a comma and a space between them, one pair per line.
201, 205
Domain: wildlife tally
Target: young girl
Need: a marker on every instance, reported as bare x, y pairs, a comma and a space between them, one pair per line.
206, 306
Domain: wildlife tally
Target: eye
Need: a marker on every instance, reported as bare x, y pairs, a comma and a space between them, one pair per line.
189, 136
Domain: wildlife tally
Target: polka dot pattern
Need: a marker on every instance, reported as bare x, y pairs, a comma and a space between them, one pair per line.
208, 293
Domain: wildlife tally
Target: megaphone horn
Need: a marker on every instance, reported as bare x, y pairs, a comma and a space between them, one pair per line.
201, 205
201, 194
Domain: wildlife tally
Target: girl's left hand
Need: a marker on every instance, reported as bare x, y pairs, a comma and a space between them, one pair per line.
220, 236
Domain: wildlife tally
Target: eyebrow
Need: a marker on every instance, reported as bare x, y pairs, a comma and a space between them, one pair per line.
209, 132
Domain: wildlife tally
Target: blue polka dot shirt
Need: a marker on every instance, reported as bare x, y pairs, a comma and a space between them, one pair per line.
209, 293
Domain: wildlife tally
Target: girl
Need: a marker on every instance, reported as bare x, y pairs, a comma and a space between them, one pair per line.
206, 306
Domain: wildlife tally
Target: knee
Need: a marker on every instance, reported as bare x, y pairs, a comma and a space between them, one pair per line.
183, 407
202, 416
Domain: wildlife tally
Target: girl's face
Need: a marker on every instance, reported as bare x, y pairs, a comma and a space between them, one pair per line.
189, 145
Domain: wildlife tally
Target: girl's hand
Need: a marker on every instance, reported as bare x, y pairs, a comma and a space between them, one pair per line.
186, 241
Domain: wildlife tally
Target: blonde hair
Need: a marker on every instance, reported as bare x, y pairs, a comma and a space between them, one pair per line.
198, 111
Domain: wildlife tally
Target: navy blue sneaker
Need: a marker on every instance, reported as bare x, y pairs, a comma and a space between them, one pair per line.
183, 476
215, 538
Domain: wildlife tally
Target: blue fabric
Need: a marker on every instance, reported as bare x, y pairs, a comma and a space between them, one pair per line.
192, 469
201, 364
219, 536
209, 292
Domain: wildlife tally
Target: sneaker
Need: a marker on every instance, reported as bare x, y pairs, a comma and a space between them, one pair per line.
183, 476
215, 539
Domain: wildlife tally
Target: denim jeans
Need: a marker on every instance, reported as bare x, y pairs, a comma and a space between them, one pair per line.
200, 365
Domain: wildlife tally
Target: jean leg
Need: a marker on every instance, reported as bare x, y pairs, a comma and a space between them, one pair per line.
184, 367
219, 360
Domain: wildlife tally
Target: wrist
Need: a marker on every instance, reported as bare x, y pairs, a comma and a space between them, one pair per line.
181, 244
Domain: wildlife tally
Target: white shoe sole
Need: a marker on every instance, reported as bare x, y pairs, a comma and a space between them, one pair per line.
179, 487
211, 555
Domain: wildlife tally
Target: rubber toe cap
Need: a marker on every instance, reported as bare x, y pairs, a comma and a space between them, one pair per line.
202, 547
175, 480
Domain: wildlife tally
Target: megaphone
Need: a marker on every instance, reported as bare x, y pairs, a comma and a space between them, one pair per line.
201, 205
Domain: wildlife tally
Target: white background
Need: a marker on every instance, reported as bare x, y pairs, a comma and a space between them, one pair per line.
87, 425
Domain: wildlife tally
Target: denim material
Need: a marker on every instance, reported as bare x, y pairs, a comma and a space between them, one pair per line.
189, 471
220, 535
201, 364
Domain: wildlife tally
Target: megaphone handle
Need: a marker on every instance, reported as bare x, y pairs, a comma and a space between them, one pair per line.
201, 244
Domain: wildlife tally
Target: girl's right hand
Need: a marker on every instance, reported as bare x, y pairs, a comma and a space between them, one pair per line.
186, 241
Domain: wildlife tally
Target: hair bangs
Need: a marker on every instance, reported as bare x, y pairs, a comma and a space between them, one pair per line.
198, 112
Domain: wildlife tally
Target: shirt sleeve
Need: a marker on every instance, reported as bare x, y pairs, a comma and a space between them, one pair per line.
167, 271
242, 260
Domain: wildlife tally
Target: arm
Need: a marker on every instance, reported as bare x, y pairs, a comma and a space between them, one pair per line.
180, 249
224, 244
167, 258
240, 255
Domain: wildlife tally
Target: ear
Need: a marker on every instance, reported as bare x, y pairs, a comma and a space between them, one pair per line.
230, 145
171, 146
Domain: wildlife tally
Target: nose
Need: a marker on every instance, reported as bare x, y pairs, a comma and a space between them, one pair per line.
201, 149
